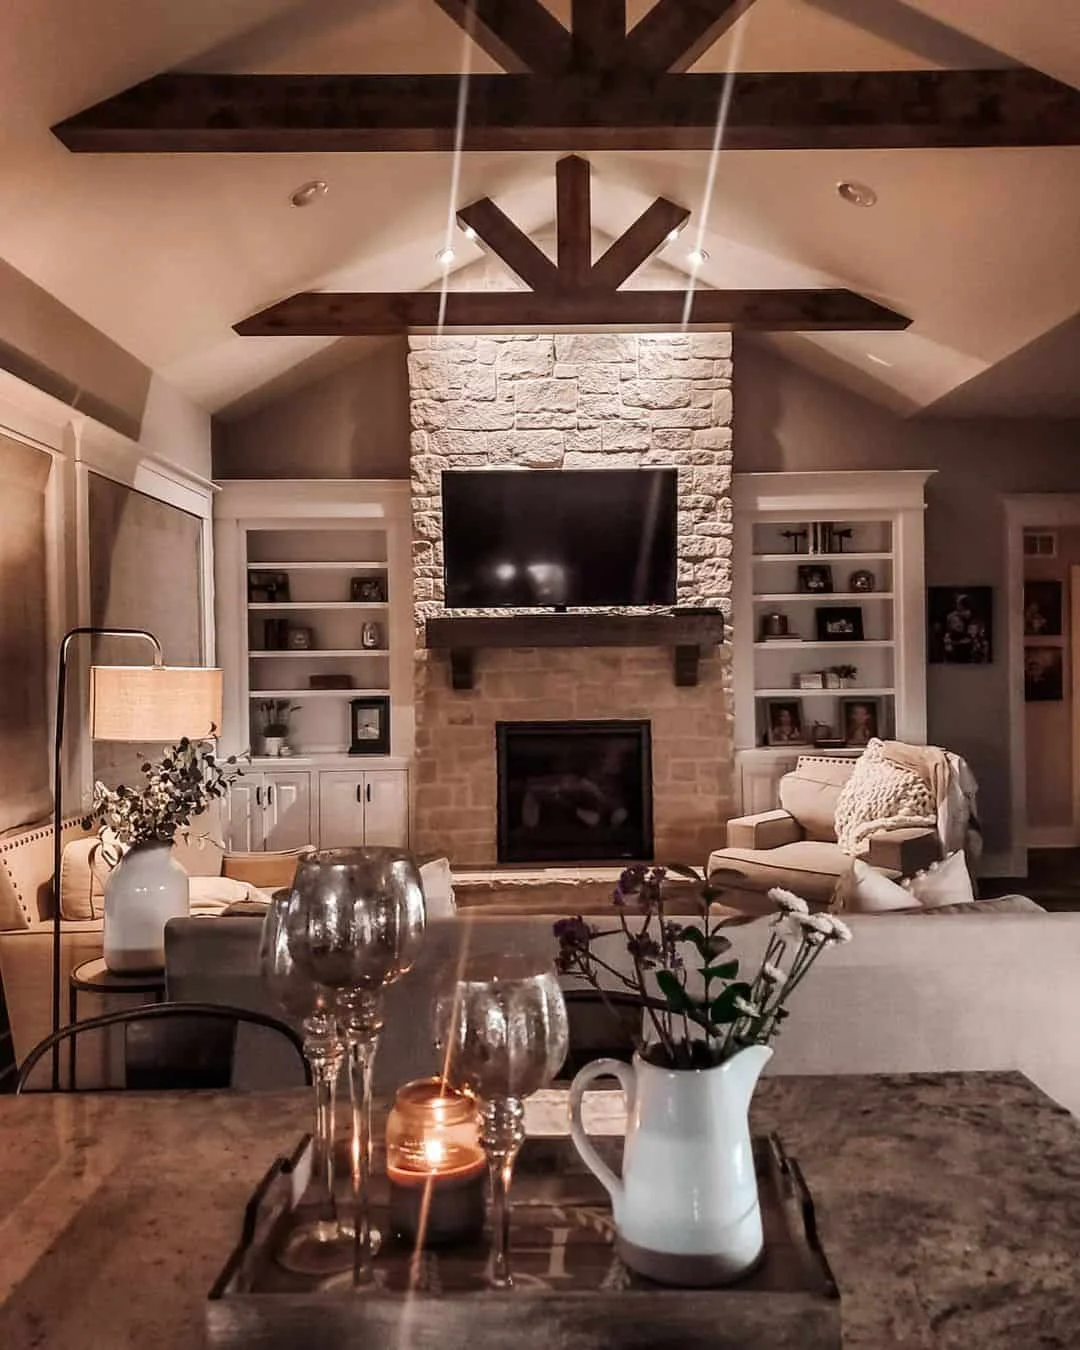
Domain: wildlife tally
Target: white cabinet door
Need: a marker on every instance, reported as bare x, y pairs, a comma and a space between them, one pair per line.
286, 810
386, 807
245, 829
341, 810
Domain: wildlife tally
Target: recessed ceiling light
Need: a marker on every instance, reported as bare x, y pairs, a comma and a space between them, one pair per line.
878, 360
697, 257
858, 194
445, 256
307, 193
469, 233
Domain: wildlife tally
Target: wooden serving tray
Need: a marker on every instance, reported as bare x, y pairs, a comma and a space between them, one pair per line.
571, 1291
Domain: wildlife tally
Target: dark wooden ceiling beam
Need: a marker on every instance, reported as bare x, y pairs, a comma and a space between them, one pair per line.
521, 35
508, 242
597, 34
675, 33
573, 220
637, 244
180, 113
329, 314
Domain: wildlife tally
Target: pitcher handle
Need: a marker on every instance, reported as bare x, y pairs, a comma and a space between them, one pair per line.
599, 1068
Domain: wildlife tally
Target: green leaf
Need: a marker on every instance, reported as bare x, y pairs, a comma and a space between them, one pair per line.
678, 999
682, 870
722, 1009
725, 971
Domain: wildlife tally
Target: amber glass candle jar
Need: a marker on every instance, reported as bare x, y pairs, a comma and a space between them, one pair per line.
435, 1164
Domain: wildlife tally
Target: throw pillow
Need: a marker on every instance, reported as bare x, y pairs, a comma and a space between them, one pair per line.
943, 883
437, 881
880, 795
83, 871
865, 890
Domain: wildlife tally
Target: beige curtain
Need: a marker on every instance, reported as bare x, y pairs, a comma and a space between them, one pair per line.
145, 572
24, 659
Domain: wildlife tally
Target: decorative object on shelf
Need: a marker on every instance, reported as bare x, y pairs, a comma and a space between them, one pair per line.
859, 719
815, 578
862, 580
821, 537
796, 537
1044, 678
832, 679
354, 924
370, 725
686, 1207
268, 588
368, 590
1042, 609
810, 679
783, 722
774, 626
839, 623
323, 1244
137, 828
435, 1164
960, 623
330, 681
825, 738
275, 713
504, 1030
300, 638
276, 635
843, 676
371, 638
839, 535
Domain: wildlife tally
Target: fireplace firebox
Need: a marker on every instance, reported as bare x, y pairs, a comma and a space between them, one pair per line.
574, 791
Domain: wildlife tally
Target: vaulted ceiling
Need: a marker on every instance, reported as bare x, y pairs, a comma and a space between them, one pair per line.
165, 253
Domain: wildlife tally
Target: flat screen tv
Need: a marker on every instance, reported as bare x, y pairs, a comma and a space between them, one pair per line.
538, 539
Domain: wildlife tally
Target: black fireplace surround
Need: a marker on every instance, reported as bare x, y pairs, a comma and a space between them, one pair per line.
574, 791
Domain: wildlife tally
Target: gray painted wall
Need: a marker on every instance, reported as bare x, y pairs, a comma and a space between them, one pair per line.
789, 419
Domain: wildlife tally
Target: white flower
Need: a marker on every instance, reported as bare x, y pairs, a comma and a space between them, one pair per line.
772, 974
822, 927
787, 902
745, 1007
840, 931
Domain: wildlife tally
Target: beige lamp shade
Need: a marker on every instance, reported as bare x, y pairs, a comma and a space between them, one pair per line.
154, 703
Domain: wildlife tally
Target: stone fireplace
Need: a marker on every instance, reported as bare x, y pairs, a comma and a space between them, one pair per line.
574, 401
574, 791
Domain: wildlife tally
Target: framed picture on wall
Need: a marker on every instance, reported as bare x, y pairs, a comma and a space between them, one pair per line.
960, 625
1042, 609
1044, 674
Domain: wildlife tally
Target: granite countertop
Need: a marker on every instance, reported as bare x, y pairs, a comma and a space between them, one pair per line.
949, 1206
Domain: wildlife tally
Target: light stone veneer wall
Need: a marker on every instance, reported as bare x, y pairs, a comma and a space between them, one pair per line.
575, 401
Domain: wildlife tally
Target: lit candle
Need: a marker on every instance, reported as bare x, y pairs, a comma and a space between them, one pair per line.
435, 1164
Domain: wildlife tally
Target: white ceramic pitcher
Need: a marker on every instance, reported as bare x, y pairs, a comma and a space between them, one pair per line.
686, 1207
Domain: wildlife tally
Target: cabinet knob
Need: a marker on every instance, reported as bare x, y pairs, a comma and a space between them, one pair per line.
269, 796
359, 793
367, 791
258, 796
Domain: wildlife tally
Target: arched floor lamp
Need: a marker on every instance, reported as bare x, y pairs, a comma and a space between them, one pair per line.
156, 704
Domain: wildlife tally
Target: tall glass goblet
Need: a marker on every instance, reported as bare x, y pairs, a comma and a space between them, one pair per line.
504, 1031
324, 1245
355, 922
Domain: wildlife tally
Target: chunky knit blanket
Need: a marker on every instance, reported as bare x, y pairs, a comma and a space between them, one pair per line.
881, 795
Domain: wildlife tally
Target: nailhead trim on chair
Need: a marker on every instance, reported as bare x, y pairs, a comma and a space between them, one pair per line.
18, 840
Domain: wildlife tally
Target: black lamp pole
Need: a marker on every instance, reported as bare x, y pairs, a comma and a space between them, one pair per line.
58, 814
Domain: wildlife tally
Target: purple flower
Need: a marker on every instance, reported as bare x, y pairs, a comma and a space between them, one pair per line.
573, 934
645, 950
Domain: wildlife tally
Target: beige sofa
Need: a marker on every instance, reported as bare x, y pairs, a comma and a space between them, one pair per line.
26, 929
795, 846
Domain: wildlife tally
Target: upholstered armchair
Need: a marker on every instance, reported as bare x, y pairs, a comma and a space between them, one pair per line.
796, 845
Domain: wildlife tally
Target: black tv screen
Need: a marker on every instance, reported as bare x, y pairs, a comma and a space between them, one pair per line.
535, 539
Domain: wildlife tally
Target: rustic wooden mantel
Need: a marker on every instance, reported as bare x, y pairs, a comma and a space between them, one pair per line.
686, 633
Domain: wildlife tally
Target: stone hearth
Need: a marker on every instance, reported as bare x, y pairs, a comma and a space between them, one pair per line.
575, 401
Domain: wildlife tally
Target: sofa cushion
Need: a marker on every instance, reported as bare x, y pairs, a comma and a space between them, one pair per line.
809, 868
810, 793
83, 873
864, 890
26, 865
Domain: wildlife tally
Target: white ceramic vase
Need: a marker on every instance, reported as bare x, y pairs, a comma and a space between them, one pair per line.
272, 746
686, 1206
145, 889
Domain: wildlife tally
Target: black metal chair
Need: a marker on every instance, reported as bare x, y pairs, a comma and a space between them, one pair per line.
172, 1046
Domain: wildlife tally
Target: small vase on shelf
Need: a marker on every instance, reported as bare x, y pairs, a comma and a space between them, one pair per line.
146, 889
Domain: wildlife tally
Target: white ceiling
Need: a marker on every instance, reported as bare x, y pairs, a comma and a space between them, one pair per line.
164, 254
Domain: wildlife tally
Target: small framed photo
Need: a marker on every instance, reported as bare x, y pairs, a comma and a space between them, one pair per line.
839, 623
1042, 609
815, 579
811, 679
784, 722
299, 639
370, 725
960, 624
1044, 674
859, 720
368, 590
268, 588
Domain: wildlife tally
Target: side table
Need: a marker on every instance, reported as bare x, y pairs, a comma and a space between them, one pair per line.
94, 977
